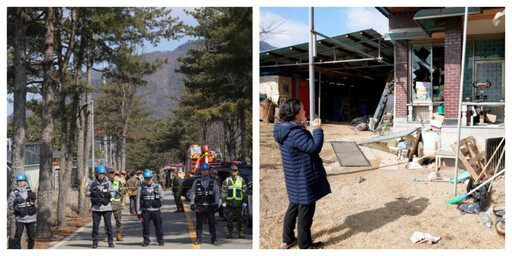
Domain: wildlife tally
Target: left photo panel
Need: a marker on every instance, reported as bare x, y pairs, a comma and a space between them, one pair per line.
129, 128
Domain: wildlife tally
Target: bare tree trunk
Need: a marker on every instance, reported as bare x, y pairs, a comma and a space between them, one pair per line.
84, 207
66, 159
243, 139
80, 148
44, 202
123, 153
66, 177
20, 98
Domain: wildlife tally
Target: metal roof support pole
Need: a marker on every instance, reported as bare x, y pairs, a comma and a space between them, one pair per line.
311, 66
460, 100
93, 164
319, 92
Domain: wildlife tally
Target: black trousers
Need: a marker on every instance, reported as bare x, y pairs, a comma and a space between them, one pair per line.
304, 214
205, 212
20, 226
156, 217
96, 218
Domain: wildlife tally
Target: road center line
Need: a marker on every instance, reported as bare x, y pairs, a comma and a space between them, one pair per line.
191, 228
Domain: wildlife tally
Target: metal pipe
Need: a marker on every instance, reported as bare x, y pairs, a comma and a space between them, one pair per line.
92, 136
311, 66
324, 62
319, 92
460, 98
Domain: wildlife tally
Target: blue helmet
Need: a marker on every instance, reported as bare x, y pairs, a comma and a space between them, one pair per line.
21, 177
204, 166
148, 174
101, 169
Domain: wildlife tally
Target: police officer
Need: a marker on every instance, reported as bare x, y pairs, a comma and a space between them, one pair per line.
204, 198
21, 204
176, 191
99, 190
117, 193
233, 191
149, 200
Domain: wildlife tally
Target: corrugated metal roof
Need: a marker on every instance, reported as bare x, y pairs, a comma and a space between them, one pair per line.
365, 40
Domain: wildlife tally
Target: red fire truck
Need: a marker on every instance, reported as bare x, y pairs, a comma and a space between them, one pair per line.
196, 155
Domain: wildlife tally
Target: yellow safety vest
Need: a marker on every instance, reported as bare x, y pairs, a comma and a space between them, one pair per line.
115, 187
235, 189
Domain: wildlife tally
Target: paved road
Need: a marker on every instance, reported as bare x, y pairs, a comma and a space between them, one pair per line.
179, 232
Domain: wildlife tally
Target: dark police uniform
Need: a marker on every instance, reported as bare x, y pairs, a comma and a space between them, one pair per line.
100, 193
148, 203
205, 197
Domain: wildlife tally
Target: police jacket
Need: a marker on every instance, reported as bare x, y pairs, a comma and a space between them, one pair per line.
21, 205
204, 191
149, 197
304, 174
100, 193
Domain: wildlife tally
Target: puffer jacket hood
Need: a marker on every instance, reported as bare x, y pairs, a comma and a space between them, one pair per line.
282, 130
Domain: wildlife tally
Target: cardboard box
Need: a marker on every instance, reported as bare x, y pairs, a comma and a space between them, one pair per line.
491, 118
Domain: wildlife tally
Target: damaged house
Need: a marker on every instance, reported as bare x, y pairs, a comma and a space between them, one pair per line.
427, 70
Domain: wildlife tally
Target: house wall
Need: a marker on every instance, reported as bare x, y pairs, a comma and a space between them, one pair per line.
401, 78
452, 65
400, 21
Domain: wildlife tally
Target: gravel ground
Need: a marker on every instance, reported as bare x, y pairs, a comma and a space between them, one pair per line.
381, 212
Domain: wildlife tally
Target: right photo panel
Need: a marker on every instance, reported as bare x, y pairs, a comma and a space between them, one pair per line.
382, 127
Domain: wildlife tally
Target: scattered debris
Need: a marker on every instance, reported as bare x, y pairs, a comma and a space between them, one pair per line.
461, 177
421, 238
471, 208
359, 120
500, 227
361, 127
485, 219
434, 176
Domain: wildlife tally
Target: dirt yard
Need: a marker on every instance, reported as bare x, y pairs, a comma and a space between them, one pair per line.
381, 212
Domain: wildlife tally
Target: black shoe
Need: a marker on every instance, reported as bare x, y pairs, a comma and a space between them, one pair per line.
161, 244
317, 245
145, 245
198, 241
214, 241
94, 246
111, 245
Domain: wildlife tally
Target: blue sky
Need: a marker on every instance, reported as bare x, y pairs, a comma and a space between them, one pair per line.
331, 21
164, 45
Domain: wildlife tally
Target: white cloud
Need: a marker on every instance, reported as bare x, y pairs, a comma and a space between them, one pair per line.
359, 18
290, 32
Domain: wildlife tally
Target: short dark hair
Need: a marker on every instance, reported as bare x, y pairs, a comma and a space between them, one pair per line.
289, 109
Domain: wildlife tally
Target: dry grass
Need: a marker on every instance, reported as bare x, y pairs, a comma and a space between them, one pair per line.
381, 212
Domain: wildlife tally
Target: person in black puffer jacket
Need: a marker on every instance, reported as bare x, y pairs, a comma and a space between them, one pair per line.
305, 176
